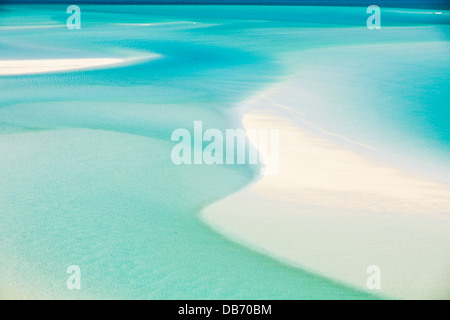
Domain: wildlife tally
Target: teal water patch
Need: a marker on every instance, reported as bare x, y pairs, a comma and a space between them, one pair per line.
113, 205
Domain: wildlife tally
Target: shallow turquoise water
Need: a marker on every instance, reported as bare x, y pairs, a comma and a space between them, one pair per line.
85, 171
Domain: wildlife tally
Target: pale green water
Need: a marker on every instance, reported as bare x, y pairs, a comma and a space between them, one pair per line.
85, 170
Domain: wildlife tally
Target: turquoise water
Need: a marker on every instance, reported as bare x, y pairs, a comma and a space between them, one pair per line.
85, 170
392, 97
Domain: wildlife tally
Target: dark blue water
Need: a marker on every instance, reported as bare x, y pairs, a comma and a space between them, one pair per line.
432, 4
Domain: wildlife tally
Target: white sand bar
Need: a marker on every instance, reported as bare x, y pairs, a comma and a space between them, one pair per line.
23, 67
336, 211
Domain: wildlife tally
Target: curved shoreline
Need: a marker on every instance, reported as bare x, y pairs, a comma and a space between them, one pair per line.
336, 212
